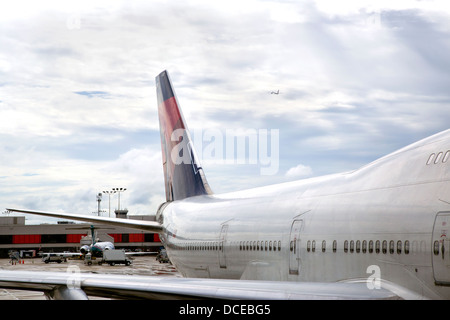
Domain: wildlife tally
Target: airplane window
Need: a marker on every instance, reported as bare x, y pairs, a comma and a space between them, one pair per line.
279, 245
447, 154
358, 246
364, 246
431, 158
352, 246
384, 246
438, 157
314, 246
308, 246
267, 246
371, 246
399, 247
436, 248
391, 246
257, 246
407, 247
324, 246
346, 246
377, 246
334, 246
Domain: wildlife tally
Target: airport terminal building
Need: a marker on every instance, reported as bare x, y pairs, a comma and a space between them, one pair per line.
68, 236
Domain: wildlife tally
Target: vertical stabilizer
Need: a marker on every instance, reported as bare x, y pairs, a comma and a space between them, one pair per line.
183, 174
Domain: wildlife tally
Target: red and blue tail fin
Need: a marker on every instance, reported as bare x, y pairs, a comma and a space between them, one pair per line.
183, 174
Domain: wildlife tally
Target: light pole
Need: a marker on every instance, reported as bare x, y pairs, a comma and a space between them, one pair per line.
109, 196
119, 190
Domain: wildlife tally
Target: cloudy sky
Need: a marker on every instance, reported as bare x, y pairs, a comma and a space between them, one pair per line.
357, 80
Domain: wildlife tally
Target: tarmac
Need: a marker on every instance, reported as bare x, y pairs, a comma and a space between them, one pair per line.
142, 265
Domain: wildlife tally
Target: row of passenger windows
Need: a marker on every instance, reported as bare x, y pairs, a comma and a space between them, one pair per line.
260, 245
311, 246
363, 246
217, 246
198, 246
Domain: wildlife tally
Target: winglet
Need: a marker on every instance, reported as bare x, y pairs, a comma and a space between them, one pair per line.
183, 174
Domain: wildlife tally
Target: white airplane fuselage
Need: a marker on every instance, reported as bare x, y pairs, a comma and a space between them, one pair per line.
390, 218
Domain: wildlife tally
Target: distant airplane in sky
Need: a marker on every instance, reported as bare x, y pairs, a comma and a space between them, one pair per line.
379, 232
275, 92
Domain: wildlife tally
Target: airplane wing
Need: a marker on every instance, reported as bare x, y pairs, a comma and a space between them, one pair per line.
151, 226
69, 286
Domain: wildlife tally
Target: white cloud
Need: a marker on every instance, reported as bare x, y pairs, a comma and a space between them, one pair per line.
299, 171
343, 82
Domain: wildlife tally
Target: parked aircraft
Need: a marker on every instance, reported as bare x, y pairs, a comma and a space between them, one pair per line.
378, 232
96, 247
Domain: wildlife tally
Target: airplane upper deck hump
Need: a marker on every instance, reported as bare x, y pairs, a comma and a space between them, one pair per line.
183, 174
